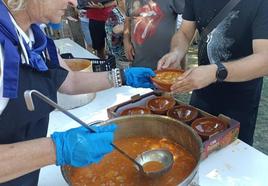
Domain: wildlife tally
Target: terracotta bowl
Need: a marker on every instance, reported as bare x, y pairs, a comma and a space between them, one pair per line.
165, 78
160, 105
208, 126
184, 113
135, 111
79, 64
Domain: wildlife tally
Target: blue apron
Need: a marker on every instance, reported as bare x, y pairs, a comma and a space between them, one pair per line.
12, 52
16, 122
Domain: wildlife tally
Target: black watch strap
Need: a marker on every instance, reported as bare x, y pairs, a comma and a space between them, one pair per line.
221, 73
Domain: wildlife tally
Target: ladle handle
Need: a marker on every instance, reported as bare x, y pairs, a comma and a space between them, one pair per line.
30, 106
126, 155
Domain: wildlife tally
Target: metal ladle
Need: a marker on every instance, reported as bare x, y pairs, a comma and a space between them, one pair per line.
161, 155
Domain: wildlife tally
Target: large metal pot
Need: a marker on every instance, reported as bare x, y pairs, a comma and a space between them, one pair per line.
163, 127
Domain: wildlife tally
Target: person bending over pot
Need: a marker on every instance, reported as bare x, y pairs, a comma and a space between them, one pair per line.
28, 60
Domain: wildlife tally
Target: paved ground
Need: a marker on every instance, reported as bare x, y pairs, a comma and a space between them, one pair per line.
261, 131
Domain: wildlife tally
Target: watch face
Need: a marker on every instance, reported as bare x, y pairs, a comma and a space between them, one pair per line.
222, 74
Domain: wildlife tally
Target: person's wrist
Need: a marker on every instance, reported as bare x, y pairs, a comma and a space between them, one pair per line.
214, 68
58, 142
115, 77
110, 78
126, 38
53, 151
221, 72
176, 52
123, 77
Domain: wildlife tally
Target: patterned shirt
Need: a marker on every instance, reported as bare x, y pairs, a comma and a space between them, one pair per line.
153, 23
115, 41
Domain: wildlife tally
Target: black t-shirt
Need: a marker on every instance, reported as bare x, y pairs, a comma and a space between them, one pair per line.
248, 21
232, 38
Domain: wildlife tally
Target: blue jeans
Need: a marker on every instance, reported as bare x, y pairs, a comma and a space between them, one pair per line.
86, 32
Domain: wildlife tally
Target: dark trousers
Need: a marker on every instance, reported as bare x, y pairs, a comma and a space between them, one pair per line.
98, 34
30, 179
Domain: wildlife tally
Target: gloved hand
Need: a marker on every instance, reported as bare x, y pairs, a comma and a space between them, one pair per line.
139, 77
80, 147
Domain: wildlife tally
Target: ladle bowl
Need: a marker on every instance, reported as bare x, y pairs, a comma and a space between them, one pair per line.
30, 106
163, 157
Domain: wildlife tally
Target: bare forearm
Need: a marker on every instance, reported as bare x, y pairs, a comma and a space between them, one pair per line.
252, 66
248, 68
127, 29
183, 37
85, 82
180, 42
128, 47
20, 158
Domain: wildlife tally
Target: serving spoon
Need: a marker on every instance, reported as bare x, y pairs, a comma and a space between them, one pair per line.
160, 155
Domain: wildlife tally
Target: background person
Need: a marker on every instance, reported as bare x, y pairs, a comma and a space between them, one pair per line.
114, 27
84, 22
97, 15
229, 77
149, 27
73, 25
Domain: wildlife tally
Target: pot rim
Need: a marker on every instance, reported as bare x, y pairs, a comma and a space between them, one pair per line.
194, 172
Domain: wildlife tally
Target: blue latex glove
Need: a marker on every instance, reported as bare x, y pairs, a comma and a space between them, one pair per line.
139, 77
79, 147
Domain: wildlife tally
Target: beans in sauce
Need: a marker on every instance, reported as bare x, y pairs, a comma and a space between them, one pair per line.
116, 170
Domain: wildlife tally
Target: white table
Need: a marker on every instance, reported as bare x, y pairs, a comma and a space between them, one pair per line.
67, 45
235, 165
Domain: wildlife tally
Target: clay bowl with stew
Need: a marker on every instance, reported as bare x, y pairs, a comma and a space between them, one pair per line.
165, 78
83, 65
160, 105
135, 111
184, 113
206, 127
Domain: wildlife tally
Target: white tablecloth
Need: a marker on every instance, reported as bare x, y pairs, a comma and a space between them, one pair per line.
237, 164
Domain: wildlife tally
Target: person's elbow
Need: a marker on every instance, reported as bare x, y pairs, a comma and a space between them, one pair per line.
69, 84
260, 51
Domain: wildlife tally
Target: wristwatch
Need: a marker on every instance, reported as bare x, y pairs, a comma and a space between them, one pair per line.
221, 73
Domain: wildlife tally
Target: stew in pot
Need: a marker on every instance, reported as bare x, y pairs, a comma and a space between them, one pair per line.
116, 170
